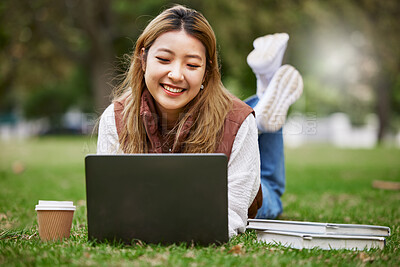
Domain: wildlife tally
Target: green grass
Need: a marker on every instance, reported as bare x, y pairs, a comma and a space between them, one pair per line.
323, 184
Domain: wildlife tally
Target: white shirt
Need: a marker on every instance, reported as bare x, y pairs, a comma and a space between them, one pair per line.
243, 166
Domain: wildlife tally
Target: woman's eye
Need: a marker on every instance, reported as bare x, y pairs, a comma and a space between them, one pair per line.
193, 66
162, 59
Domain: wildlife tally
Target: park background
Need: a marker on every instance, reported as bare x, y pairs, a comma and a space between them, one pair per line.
60, 59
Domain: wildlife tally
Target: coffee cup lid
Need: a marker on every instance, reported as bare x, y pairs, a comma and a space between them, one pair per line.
55, 205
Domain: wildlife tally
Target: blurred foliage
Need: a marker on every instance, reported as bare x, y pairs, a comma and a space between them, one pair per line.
346, 50
54, 99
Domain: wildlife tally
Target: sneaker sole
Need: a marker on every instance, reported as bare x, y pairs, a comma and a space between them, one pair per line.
266, 50
285, 88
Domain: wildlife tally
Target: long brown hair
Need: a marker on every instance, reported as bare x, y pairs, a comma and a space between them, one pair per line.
209, 108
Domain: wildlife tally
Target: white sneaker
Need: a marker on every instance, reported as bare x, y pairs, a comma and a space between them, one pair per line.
284, 89
266, 58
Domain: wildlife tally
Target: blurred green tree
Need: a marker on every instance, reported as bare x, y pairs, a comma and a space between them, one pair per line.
347, 50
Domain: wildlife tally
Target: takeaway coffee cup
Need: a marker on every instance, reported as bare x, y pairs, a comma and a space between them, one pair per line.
54, 219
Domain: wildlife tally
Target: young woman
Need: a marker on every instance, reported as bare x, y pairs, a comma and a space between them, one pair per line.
172, 101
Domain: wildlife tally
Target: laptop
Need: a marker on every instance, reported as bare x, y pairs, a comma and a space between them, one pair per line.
157, 198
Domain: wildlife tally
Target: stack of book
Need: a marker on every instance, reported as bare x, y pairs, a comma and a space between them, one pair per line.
297, 234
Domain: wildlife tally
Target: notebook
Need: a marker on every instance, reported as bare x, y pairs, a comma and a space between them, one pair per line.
157, 198
309, 235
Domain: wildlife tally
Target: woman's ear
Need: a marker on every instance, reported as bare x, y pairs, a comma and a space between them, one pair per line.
205, 76
143, 58
206, 72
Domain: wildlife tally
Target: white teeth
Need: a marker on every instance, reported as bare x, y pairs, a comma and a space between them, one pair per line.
174, 90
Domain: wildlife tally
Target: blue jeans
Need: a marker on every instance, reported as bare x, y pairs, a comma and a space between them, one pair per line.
272, 170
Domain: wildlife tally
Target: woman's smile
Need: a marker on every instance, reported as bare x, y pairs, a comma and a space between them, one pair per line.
173, 90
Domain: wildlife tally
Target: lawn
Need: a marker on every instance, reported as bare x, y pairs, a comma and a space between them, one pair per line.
324, 184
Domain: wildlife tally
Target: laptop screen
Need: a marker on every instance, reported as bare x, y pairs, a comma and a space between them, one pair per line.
157, 198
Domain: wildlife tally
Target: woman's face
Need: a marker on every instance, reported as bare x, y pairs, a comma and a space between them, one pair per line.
174, 70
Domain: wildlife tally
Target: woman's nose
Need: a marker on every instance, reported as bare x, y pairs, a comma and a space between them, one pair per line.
176, 73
